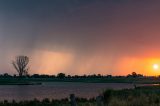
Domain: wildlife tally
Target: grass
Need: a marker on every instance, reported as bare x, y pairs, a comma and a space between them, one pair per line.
141, 96
16, 81
47, 102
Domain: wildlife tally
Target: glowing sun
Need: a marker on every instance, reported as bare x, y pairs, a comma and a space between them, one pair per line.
155, 66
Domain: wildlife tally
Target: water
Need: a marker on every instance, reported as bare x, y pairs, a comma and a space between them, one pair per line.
56, 90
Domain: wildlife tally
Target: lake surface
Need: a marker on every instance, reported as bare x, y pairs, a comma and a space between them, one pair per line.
56, 90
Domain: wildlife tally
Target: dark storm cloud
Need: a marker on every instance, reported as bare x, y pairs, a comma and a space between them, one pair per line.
112, 28
29, 22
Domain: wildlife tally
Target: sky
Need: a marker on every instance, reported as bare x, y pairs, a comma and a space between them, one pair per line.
81, 36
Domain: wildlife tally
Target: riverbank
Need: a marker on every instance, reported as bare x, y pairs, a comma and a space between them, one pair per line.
47, 102
35, 81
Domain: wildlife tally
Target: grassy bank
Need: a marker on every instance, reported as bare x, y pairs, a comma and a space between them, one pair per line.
15, 81
47, 102
141, 96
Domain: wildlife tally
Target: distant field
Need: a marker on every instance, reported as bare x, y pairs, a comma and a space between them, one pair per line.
10, 81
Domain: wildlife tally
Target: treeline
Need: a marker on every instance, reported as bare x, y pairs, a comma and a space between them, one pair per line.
63, 75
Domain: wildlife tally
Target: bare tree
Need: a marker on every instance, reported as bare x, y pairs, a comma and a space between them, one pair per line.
20, 64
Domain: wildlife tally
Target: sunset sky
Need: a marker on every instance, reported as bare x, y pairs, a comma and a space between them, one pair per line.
81, 36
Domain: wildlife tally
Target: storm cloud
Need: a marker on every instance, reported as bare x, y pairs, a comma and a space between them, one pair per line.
79, 36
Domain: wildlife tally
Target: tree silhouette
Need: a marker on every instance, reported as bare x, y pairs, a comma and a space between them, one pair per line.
61, 75
134, 74
20, 64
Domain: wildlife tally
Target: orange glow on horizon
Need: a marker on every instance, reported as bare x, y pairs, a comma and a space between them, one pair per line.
51, 62
139, 65
47, 62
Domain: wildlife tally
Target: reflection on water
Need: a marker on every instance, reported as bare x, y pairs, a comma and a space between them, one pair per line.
56, 90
